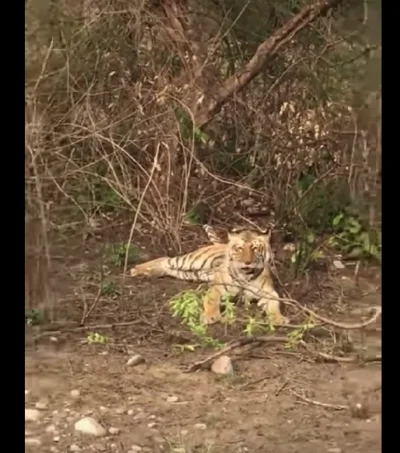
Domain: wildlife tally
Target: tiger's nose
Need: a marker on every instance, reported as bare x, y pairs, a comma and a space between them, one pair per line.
247, 261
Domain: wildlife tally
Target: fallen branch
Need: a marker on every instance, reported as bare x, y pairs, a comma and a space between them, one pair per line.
337, 407
340, 325
93, 327
338, 359
234, 345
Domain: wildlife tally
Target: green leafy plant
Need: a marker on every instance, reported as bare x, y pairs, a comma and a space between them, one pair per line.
353, 239
116, 254
96, 338
192, 217
187, 306
34, 317
253, 326
307, 252
187, 129
108, 288
297, 335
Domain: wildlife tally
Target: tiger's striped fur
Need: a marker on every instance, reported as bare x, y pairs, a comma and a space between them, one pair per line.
238, 267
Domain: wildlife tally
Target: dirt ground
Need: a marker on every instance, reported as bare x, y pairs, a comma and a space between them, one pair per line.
277, 401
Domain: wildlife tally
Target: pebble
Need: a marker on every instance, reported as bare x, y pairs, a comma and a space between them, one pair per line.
120, 410
75, 393
41, 405
89, 425
51, 429
172, 399
32, 415
56, 439
200, 426
131, 412
113, 430
33, 441
338, 264
74, 448
135, 360
135, 449
151, 425
335, 450
222, 365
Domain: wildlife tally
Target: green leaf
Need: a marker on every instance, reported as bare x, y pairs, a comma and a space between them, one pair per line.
337, 219
355, 229
366, 241
356, 252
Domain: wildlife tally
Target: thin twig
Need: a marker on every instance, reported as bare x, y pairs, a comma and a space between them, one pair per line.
280, 389
256, 381
86, 312
149, 182
337, 407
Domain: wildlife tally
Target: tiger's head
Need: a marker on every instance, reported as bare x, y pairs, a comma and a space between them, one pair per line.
249, 252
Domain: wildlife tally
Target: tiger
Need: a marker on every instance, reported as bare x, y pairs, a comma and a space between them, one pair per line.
239, 267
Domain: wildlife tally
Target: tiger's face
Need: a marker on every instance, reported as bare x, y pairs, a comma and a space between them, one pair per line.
249, 252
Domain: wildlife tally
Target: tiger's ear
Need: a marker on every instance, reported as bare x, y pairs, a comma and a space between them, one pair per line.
266, 234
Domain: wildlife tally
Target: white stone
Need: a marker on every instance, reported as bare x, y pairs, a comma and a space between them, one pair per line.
41, 405
32, 415
89, 425
135, 448
338, 264
200, 426
51, 429
33, 441
135, 360
222, 365
75, 393
113, 430
172, 399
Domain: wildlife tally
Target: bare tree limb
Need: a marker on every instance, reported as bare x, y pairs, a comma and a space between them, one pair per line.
211, 105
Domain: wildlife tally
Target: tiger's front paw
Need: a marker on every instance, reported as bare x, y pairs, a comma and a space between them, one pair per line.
274, 314
133, 272
278, 320
209, 317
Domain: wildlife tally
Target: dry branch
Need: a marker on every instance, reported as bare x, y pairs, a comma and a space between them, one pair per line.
234, 345
266, 50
